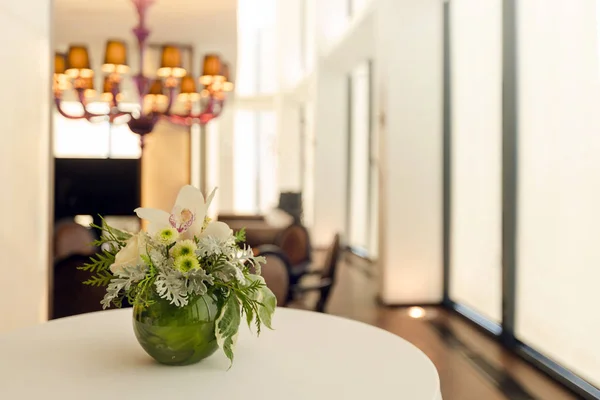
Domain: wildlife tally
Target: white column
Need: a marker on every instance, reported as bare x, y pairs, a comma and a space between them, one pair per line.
24, 161
409, 94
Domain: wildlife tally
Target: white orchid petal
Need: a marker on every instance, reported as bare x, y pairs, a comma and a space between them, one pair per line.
191, 198
158, 219
217, 229
195, 229
210, 198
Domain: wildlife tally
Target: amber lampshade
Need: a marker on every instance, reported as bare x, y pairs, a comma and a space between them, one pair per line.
170, 62
60, 63
108, 84
188, 89
156, 92
107, 90
227, 84
156, 87
87, 85
188, 85
211, 69
115, 57
78, 62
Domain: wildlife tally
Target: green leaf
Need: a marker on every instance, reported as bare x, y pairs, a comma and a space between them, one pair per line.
240, 236
119, 234
147, 260
99, 262
227, 325
266, 299
102, 278
249, 311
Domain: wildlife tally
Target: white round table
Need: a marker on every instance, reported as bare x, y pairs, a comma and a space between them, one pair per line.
308, 356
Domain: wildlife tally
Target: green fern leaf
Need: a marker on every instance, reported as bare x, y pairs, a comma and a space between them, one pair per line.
102, 278
99, 262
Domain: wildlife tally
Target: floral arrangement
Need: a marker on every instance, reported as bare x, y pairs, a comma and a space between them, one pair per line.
182, 256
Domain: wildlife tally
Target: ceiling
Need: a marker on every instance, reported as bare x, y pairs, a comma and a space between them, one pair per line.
208, 24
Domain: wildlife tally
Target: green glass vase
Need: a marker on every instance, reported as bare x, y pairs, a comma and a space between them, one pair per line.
176, 335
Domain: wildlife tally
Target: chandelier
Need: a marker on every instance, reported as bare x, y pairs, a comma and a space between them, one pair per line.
155, 96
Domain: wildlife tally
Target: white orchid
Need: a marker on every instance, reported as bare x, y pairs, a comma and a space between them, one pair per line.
187, 216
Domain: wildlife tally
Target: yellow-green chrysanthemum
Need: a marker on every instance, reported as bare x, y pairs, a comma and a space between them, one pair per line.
167, 236
184, 248
186, 263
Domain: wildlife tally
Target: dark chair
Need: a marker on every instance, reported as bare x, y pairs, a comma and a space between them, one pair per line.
71, 238
294, 241
69, 295
276, 272
327, 276
291, 202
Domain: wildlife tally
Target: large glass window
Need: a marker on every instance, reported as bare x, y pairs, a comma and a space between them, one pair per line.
357, 6
476, 158
83, 139
255, 166
359, 178
257, 55
307, 161
558, 257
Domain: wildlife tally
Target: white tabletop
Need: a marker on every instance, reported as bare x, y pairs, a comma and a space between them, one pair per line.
308, 356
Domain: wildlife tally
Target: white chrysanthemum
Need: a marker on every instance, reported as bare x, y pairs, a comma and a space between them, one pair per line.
212, 245
159, 260
187, 263
184, 248
167, 236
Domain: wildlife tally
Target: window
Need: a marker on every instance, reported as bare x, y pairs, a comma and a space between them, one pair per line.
257, 61
83, 139
558, 260
360, 179
357, 6
255, 165
308, 35
307, 161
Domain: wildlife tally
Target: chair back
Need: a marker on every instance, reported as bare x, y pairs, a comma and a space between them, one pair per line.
69, 295
328, 273
72, 238
294, 241
276, 272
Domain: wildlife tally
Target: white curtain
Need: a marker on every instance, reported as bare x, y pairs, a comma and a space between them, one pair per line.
559, 182
476, 225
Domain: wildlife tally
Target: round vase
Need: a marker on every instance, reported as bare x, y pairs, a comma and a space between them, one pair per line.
176, 335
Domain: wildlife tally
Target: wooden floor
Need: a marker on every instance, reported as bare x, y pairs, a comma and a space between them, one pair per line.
471, 365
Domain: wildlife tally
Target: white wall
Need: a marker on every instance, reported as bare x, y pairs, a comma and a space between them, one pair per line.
24, 161
409, 87
353, 46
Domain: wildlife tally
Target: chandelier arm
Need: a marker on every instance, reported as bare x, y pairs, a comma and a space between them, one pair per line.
211, 111
87, 114
62, 112
119, 114
171, 97
116, 91
179, 119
